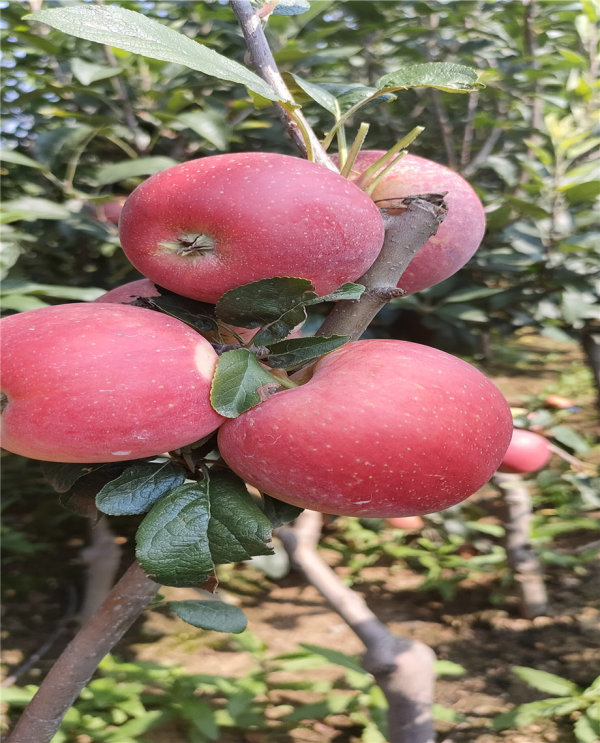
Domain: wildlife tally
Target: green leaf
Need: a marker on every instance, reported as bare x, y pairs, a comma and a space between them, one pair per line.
198, 315
587, 727
337, 657
22, 286
211, 615
291, 7
313, 91
582, 191
88, 72
290, 353
30, 208
172, 540
278, 512
141, 166
17, 158
448, 668
349, 291
210, 125
134, 32
263, 302
569, 438
200, 524
62, 476
238, 528
237, 381
139, 487
453, 78
547, 682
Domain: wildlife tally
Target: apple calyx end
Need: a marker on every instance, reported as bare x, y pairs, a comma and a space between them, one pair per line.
191, 243
4, 401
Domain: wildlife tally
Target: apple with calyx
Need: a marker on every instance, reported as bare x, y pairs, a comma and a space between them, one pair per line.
527, 452
459, 235
382, 428
100, 382
209, 225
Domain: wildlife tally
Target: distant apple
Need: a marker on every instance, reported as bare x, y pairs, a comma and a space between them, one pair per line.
383, 428
208, 225
459, 235
408, 523
101, 382
527, 452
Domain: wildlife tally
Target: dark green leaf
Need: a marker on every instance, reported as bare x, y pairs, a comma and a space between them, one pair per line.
139, 487
134, 32
172, 540
280, 328
236, 383
198, 525
290, 353
262, 302
453, 78
238, 528
345, 291
198, 315
212, 615
62, 476
278, 512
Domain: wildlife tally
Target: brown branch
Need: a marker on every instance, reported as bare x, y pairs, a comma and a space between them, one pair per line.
265, 66
74, 668
403, 668
406, 231
521, 558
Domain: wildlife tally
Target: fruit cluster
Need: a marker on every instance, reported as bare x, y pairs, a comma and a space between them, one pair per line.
378, 428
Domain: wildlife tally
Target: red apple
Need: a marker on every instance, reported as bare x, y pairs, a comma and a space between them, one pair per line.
112, 209
459, 235
382, 428
130, 292
100, 382
206, 226
527, 452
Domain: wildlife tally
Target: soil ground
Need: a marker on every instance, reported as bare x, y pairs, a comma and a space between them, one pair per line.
479, 627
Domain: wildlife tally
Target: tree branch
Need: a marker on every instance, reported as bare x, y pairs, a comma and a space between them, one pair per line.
265, 66
407, 229
74, 668
403, 668
521, 558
